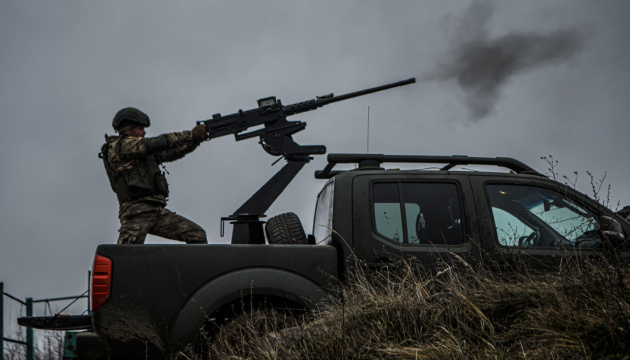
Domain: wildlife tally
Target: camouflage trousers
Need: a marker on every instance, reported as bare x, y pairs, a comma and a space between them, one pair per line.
141, 219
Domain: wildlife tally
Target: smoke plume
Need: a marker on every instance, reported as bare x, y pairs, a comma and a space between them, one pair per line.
481, 66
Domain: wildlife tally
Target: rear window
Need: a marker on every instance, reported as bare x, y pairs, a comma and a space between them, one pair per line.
322, 223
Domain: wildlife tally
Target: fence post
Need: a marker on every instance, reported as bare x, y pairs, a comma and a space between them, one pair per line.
89, 298
1, 321
30, 353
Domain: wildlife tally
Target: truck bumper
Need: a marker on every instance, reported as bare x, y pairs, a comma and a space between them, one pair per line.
57, 322
90, 347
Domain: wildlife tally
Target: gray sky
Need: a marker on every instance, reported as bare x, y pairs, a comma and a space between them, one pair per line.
66, 67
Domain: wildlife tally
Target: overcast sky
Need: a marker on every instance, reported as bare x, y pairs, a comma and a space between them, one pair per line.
67, 66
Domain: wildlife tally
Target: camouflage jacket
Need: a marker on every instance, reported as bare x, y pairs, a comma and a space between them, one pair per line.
125, 153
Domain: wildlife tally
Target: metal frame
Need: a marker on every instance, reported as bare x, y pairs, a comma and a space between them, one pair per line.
248, 228
30, 354
374, 161
29, 343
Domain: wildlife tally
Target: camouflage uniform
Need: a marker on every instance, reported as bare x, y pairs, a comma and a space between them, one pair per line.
143, 211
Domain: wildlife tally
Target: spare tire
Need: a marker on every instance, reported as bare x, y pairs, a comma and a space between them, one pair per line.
285, 229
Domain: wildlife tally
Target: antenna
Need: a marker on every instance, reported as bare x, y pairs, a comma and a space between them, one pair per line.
368, 131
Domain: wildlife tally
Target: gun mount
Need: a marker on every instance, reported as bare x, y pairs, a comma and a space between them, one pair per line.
276, 139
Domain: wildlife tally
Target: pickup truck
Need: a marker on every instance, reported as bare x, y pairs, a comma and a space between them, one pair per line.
156, 299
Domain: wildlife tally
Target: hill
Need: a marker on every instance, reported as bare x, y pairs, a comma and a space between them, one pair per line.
579, 310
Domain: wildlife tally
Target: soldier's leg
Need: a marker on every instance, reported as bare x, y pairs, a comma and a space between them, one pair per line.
136, 222
176, 227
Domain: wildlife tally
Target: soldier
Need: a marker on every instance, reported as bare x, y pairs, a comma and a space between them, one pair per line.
132, 164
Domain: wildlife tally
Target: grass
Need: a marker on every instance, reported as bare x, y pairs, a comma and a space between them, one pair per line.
579, 310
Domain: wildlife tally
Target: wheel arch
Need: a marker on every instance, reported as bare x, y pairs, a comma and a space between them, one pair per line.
234, 287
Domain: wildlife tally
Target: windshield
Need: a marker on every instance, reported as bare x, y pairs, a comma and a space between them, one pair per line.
535, 216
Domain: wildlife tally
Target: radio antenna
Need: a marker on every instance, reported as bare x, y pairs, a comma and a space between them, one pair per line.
368, 130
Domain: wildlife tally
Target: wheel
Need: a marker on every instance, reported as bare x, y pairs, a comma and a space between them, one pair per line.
222, 334
285, 229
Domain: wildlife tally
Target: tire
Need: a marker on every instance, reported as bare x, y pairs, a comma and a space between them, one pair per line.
285, 229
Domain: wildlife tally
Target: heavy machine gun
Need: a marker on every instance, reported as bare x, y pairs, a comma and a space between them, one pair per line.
276, 139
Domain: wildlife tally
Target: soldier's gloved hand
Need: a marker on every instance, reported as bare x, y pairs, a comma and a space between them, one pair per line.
199, 133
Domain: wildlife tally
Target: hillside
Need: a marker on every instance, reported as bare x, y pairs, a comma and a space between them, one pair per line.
581, 310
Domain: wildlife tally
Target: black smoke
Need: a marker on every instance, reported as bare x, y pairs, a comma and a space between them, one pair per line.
481, 66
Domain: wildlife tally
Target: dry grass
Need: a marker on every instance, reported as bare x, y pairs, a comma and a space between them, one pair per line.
581, 310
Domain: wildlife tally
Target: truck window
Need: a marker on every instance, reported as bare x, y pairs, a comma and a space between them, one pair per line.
387, 211
322, 223
509, 228
531, 216
429, 213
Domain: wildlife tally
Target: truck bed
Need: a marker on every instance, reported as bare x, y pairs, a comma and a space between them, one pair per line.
157, 291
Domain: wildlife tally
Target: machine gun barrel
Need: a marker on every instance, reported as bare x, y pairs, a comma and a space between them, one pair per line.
328, 99
367, 91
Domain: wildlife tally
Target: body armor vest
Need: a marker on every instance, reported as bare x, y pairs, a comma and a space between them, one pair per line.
145, 179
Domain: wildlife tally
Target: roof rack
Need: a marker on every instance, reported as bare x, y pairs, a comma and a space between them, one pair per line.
374, 161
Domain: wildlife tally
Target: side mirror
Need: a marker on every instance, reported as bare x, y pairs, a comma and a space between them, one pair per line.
611, 230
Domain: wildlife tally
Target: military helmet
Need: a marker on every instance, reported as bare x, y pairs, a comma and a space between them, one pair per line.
129, 117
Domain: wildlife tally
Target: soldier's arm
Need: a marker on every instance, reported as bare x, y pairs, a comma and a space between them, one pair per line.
169, 147
182, 143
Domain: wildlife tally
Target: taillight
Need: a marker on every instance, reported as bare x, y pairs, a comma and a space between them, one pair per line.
101, 281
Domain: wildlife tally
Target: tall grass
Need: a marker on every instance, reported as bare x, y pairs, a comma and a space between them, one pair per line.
579, 310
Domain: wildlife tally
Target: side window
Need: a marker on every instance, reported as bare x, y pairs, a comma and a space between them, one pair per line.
509, 228
322, 223
418, 213
439, 219
531, 216
387, 212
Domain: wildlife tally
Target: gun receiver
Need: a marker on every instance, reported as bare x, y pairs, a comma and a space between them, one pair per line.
275, 137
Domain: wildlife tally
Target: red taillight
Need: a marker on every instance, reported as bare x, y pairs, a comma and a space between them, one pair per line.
101, 281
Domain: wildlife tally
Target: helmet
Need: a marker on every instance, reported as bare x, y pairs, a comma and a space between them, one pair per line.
129, 117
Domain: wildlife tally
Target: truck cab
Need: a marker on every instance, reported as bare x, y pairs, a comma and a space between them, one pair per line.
382, 215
